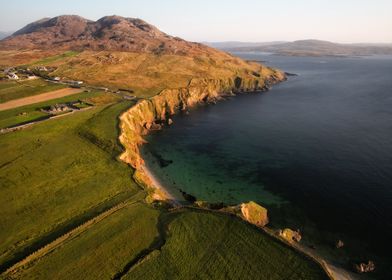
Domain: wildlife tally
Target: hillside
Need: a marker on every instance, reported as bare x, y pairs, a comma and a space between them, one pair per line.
237, 44
110, 33
121, 53
4, 34
317, 48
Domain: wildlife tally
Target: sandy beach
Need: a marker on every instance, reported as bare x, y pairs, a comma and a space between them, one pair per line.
158, 185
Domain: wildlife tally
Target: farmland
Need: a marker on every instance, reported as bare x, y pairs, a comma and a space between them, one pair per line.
10, 90
52, 178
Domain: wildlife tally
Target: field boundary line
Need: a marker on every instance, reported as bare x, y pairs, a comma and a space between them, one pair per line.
48, 248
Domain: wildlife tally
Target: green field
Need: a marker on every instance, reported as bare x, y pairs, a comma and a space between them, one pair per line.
52, 177
32, 112
63, 173
204, 245
10, 90
56, 58
103, 250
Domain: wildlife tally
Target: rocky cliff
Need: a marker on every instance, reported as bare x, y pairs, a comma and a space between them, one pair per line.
154, 113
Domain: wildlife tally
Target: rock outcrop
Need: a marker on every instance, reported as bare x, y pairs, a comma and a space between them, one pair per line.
254, 214
134, 123
339, 244
364, 267
290, 235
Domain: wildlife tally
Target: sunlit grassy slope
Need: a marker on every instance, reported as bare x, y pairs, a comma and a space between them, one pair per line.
145, 73
103, 250
227, 248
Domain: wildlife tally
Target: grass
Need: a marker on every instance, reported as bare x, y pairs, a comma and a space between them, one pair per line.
145, 74
10, 90
55, 58
203, 245
51, 176
98, 129
32, 112
103, 250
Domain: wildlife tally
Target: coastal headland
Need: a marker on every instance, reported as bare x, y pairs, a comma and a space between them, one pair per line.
82, 211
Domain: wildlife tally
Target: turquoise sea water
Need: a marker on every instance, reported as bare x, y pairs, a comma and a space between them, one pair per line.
316, 151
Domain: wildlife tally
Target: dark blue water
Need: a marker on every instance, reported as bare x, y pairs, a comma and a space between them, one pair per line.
316, 150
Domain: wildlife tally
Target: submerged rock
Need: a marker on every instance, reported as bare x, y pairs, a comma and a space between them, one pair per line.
254, 213
290, 74
364, 267
153, 126
209, 205
188, 197
339, 244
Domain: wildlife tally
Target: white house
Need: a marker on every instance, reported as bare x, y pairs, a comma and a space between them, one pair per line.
13, 76
42, 68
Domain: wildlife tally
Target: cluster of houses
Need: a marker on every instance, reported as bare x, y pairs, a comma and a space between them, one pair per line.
19, 74
22, 73
34, 73
61, 108
10, 74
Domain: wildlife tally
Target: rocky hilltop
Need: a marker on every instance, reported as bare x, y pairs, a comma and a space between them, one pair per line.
110, 33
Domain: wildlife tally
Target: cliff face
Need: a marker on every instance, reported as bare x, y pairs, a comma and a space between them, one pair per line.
155, 112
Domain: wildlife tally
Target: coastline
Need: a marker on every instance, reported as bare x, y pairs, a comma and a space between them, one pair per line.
154, 113
164, 193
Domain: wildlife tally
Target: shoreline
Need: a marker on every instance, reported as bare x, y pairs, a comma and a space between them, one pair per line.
334, 272
166, 195
154, 113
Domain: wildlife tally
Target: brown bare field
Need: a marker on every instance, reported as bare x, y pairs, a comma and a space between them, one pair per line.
38, 98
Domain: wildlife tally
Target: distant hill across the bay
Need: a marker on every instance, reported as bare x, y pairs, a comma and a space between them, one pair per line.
308, 48
4, 34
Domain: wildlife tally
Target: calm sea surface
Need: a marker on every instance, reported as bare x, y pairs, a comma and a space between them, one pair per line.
316, 150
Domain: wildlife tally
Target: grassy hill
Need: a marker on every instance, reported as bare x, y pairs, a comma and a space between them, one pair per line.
146, 74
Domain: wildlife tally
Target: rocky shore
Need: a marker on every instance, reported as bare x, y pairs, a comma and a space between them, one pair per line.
154, 113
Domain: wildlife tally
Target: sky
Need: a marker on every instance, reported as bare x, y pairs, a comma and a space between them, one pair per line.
345, 21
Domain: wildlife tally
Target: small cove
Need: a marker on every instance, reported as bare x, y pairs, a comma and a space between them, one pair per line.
315, 150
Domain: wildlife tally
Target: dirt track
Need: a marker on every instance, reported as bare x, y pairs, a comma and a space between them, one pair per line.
38, 98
